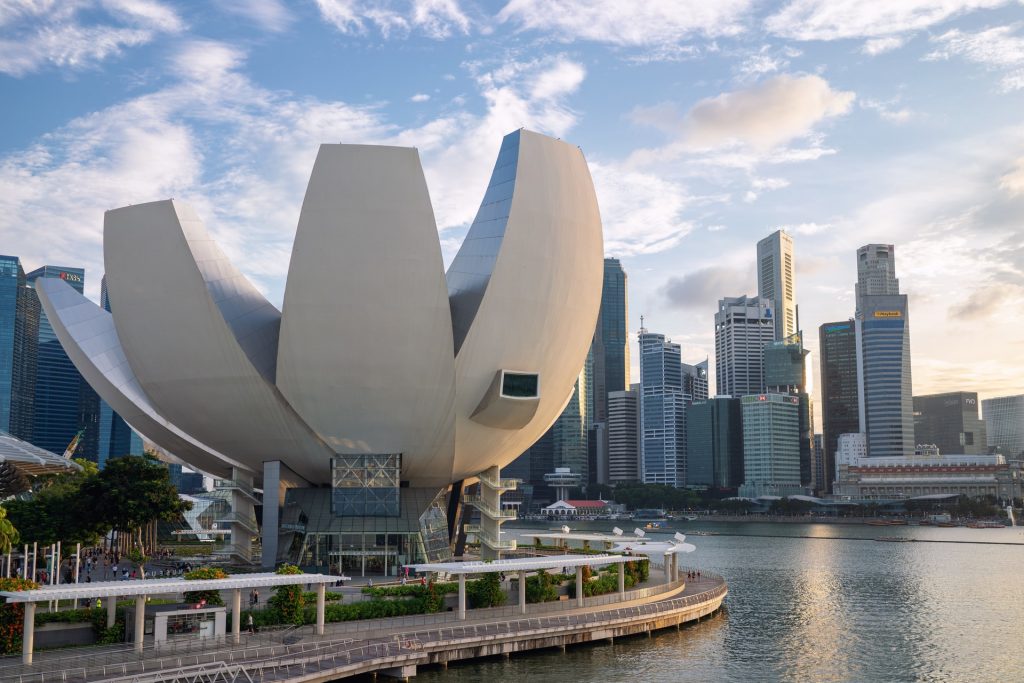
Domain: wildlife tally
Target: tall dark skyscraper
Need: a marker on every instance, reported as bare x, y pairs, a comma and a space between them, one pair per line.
64, 402
951, 422
714, 444
608, 365
19, 329
883, 347
840, 406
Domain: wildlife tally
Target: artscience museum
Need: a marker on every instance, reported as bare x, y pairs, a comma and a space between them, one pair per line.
385, 385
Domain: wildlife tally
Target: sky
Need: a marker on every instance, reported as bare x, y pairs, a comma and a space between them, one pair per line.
707, 125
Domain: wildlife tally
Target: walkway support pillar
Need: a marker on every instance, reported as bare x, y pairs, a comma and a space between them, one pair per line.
579, 586
321, 600
28, 636
522, 592
140, 622
111, 611
668, 574
462, 597
622, 579
236, 615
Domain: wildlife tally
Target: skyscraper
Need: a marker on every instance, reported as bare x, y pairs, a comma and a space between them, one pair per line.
776, 281
662, 411
19, 328
883, 355
569, 433
714, 443
1004, 424
785, 372
623, 436
64, 402
951, 422
840, 407
743, 326
771, 445
608, 363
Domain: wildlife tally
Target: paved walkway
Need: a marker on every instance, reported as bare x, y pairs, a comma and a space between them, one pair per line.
364, 638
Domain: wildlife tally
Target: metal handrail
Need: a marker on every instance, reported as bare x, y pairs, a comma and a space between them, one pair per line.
504, 484
489, 540
494, 513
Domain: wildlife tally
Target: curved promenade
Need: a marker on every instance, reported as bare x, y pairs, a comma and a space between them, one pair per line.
396, 647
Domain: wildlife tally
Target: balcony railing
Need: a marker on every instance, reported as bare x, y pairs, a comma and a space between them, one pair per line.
488, 540
499, 484
501, 515
247, 522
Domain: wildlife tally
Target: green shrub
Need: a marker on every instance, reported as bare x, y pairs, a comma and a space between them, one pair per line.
485, 592
329, 596
289, 600
212, 597
541, 588
12, 616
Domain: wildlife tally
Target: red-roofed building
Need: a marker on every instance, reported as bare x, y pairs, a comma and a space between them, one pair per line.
579, 508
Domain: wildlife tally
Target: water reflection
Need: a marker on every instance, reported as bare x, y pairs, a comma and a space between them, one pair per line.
818, 608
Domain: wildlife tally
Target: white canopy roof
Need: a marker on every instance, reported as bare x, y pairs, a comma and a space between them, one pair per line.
578, 537
522, 564
30, 459
639, 547
119, 589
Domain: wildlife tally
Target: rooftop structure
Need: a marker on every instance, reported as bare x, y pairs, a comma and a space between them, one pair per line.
31, 460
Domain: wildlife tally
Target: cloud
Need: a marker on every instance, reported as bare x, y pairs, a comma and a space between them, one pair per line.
651, 23
1013, 181
888, 110
999, 49
38, 34
839, 19
769, 114
642, 213
806, 229
986, 301
877, 46
270, 15
701, 289
437, 19
420, 97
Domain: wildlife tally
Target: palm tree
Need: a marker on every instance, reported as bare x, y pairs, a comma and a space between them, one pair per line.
8, 534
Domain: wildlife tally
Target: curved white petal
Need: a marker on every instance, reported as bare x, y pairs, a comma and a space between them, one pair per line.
536, 273
200, 339
365, 353
88, 336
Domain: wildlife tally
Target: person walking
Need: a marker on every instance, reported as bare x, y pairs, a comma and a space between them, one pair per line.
251, 625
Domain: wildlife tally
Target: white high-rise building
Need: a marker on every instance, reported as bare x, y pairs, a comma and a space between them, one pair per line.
623, 435
776, 280
876, 272
743, 326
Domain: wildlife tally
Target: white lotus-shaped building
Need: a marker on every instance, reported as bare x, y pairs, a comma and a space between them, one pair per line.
382, 372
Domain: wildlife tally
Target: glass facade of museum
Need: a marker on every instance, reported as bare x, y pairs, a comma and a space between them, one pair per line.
321, 540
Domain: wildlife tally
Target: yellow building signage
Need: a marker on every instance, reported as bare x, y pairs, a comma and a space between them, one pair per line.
888, 314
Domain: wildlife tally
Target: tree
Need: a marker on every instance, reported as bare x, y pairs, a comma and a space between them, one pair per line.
130, 493
289, 600
12, 481
56, 509
8, 534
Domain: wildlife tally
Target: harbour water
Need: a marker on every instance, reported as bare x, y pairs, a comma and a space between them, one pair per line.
816, 602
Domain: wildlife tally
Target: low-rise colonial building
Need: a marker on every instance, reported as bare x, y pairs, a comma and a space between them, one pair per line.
920, 475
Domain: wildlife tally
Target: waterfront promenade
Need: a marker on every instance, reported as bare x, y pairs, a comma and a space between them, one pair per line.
395, 647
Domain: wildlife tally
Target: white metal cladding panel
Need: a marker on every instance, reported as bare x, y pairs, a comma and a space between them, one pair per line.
539, 310
365, 354
88, 336
125, 589
186, 356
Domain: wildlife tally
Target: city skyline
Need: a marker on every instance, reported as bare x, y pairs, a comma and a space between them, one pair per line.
706, 131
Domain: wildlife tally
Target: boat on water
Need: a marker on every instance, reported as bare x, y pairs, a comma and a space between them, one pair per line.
947, 525
986, 525
654, 525
877, 522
